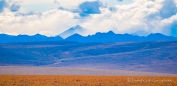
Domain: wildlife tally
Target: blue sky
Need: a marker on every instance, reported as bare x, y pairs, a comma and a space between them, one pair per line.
52, 17
42, 7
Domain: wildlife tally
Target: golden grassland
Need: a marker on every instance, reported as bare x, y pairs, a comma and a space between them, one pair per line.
61, 80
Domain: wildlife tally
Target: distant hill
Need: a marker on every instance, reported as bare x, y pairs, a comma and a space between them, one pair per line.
154, 56
112, 37
4, 38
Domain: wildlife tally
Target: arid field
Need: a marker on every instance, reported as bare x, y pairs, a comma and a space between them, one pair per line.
57, 80
56, 76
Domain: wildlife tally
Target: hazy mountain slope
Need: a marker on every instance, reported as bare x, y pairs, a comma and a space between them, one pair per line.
157, 56
112, 37
4, 38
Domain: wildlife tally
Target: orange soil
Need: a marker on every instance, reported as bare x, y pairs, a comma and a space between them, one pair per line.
57, 80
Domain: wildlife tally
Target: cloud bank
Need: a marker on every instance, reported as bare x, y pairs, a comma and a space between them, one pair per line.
142, 17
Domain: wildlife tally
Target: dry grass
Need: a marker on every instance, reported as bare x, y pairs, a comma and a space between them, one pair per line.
57, 80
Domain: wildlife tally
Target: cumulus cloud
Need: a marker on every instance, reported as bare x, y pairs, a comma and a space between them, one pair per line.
29, 13
168, 9
15, 7
88, 7
119, 0
141, 17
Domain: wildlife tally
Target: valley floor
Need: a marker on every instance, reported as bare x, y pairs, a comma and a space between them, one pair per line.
40, 70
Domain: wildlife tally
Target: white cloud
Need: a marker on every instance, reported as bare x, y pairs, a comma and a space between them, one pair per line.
49, 23
141, 17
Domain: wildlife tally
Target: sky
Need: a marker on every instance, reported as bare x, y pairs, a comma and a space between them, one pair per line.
52, 17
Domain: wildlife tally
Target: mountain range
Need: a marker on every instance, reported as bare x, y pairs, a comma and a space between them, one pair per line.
112, 37
4, 38
98, 37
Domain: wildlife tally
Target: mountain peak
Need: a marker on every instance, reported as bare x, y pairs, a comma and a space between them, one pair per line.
73, 30
107, 33
38, 35
111, 32
156, 34
77, 26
